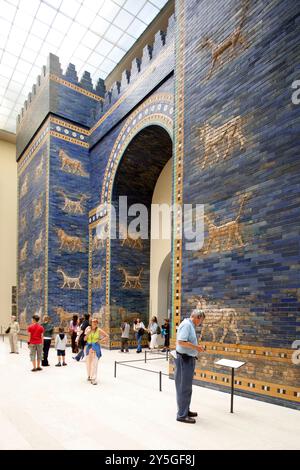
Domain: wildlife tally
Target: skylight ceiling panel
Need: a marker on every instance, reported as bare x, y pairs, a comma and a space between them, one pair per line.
70, 9
46, 14
116, 54
148, 12
159, 3
85, 17
62, 23
113, 34
109, 10
133, 6
123, 19
136, 28
39, 29
54, 38
5, 26
126, 41
99, 25
104, 47
90, 40
8, 11
30, 7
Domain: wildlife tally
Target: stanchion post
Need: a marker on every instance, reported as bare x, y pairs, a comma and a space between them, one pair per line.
145, 356
160, 376
115, 369
232, 389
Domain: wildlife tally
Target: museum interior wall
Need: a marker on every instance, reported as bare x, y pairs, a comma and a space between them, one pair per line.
219, 111
8, 228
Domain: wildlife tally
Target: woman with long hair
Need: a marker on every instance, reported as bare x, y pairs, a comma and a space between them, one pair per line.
93, 336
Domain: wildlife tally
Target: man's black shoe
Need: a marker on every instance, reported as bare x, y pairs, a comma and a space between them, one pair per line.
187, 419
192, 414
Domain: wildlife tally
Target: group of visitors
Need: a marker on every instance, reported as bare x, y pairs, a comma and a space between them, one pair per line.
86, 337
85, 340
153, 331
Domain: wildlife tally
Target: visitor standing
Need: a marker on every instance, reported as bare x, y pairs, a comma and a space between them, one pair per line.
48, 332
35, 343
73, 333
60, 346
153, 330
13, 330
125, 330
165, 332
187, 349
93, 336
81, 341
139, 329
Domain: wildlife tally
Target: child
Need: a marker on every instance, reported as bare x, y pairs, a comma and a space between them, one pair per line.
60, 346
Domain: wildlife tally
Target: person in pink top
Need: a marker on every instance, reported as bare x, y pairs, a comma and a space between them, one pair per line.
35, 343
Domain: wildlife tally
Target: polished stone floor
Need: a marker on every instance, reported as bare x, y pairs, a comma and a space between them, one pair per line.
58, 409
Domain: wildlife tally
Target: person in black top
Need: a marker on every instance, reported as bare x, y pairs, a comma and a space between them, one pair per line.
81, 342
165, 331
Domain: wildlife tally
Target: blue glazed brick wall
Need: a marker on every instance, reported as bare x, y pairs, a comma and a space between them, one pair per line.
74, 223
258, 280
32, 217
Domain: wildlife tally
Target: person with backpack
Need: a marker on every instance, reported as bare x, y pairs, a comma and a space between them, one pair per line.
139, 329
154, 331
165, 332
125, 329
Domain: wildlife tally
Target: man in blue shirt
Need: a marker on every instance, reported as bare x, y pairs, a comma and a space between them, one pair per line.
187, 349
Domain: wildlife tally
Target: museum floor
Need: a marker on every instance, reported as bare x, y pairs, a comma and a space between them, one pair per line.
58, 409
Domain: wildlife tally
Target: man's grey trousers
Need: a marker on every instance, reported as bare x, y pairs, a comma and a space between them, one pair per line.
184, 373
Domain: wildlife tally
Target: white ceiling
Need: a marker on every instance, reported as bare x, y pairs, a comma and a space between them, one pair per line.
92, 34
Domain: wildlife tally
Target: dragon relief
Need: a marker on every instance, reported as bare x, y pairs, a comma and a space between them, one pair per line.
226, 236
73, 206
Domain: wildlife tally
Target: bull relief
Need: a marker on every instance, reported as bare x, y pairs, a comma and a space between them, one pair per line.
63, 315
216, 317
73, 206
220, 142
227, 236
38, 245
38, 207
100, 237
23, 223
131, 281
23, 319
232, 45
97, 279
71, 165
23, 285
69, 243
24, 187
39, 170
37, 279
70, 282
23, 252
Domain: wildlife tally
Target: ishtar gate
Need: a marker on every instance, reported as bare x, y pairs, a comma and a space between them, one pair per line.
204, 116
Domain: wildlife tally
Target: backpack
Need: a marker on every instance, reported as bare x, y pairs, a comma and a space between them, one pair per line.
158, 330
